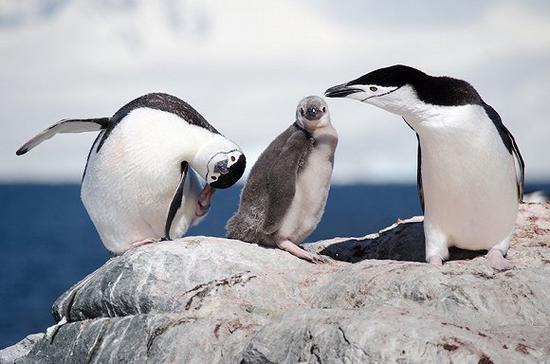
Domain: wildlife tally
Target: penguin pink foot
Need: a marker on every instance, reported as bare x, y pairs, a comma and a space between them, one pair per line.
205, 199
497, 261
435, 260
295, 250
135, 244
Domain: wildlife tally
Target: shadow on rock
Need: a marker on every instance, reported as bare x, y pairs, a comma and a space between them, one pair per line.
403, 241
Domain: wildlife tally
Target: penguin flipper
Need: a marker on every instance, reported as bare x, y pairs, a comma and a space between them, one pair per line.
176, 201
419, 174
418, 167
281, 181
510, 144
65, 126
519, 165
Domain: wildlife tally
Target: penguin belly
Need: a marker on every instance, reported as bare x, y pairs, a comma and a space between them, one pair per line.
129, 185
469, 182
310, 197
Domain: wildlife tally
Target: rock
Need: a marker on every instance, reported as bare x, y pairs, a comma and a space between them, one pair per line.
19, 350
211, 300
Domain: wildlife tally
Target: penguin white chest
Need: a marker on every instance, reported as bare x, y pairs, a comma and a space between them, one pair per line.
131, 180
311, 192
469, 181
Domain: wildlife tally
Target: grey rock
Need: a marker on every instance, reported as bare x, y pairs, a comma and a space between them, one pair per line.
211, 300
19, 350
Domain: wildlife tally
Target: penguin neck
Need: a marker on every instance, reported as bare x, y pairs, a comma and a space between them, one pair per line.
405, 102
446, 119
304, 130
324, 132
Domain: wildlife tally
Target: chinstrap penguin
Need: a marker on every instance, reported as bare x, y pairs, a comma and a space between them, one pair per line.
470, 170
152, 170
285, 195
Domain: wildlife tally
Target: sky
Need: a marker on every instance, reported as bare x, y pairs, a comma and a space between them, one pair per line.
244, 65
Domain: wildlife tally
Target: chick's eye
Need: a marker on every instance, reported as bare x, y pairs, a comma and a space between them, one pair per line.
324, 109
373, 88
214, 178
302, 111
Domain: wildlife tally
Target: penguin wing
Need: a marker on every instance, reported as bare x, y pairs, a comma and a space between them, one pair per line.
519, 165
64, 126
176, 201
418, 168
510, 144
419, 174
281, 180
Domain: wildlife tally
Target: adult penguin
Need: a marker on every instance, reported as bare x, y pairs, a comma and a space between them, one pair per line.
470, 170
142, 180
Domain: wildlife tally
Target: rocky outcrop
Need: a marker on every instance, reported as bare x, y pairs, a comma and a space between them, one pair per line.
208, 300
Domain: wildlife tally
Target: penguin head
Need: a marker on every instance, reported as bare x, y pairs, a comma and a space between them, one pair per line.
219, 161
391, 88
225, 168
406, 91
312, 113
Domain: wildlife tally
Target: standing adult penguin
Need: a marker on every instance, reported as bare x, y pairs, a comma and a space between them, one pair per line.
141, 181
286, 192
470, 170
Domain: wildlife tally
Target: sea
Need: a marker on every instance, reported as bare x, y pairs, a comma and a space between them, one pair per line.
48, 242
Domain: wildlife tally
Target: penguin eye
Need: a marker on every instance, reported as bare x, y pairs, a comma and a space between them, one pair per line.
302, 111
232, 158
324, 109
373, 88
214, 178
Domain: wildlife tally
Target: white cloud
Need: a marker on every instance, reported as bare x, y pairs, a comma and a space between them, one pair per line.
244, 65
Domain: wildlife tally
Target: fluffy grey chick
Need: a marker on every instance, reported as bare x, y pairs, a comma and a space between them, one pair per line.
286, 192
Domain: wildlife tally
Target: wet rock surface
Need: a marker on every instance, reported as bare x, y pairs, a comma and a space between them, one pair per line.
208, 300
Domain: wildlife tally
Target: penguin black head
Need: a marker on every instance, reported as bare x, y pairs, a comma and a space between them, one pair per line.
312, 113
401, 88
225, 169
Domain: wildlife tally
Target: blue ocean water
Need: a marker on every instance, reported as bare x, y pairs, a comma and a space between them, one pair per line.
48, 243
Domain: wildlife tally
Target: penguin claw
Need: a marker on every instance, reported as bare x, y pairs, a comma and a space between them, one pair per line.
435, 260
497, 261
298, 252
321, 259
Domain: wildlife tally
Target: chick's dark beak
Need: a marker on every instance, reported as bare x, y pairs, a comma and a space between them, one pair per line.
342, 90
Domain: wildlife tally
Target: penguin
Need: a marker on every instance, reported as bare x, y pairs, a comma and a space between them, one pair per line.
152, 171
285, 195
470, 171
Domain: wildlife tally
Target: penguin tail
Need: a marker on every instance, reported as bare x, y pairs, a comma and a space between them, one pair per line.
65, 126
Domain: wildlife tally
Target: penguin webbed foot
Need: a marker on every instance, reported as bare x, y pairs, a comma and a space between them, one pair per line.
298, 252
435, 260
495, 258
135, 244
205, 199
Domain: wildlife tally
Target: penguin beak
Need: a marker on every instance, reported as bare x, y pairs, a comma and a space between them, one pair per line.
221, 167
342, 90
232, 173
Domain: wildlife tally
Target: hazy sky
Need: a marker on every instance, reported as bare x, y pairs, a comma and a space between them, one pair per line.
244, 65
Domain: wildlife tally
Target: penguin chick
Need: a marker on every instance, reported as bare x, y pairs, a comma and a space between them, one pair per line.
470, 171
285, 195
143, 180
